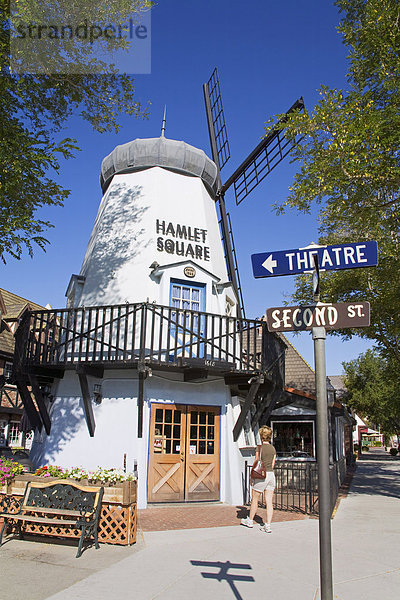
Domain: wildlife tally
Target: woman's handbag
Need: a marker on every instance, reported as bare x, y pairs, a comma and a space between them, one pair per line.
258, 470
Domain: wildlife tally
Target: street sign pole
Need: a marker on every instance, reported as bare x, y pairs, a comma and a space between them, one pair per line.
318, 317
324, 495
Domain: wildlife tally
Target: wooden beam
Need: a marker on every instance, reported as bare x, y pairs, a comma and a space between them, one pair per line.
144, 371
237, 379
87, 401
254, 386
142, 377
194, 374
48, 372
93, 370
30, 408
37, 392
264, 401
274, 397
286, 400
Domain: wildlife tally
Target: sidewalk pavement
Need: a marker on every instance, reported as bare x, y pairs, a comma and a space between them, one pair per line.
229, 562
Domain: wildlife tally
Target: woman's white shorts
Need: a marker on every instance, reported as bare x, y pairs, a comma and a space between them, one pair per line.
259, 485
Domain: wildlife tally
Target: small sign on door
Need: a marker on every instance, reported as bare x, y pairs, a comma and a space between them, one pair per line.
192, 450
159, 444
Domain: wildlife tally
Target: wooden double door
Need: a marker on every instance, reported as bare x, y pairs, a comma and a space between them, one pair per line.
183, 453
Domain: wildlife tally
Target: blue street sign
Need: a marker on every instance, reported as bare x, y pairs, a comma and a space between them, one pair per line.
300, 260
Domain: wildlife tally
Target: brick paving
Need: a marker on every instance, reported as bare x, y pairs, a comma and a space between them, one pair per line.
184, 516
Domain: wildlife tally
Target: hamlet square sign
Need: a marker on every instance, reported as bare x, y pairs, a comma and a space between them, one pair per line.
331, 316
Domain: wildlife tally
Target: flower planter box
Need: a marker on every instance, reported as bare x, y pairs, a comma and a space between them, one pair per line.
117, 523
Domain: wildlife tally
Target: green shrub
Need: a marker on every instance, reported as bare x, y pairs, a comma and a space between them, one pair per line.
393, 451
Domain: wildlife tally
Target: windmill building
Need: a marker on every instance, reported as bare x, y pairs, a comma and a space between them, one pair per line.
153, 363
151, 354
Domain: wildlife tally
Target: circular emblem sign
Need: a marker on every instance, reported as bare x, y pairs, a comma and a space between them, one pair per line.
189, 271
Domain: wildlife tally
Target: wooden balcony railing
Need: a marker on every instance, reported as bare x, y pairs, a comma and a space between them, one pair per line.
156, 335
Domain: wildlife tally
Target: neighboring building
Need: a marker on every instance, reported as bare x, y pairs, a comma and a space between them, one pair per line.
152, 351
293, 419
292, 414
12, 308
366, 435
344, 421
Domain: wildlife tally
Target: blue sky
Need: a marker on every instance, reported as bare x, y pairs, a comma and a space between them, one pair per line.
268, 54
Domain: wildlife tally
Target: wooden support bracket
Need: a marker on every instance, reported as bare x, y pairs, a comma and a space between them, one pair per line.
142, 377
32, 413
254, 386
37, 392
144, 371
87, 401
268, 408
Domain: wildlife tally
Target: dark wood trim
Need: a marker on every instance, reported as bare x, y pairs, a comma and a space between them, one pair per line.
6, 410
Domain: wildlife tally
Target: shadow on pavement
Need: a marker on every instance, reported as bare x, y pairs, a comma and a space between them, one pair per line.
378, 457
223, 574
377, 474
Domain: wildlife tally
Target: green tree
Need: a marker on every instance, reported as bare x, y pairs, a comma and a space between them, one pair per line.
349, 158
372, 383
35, 107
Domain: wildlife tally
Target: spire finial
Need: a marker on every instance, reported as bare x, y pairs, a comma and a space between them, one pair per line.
163, 122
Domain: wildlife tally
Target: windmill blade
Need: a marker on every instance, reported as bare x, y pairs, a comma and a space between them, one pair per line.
265, 157
216, 121
221, 154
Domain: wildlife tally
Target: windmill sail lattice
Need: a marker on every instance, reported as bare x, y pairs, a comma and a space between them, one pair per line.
218, 119
260, 162
266, 156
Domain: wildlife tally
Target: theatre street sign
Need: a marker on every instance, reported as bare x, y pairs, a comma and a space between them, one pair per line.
300, 260
330, 316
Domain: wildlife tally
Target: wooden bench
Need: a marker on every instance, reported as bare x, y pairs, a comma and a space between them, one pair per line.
59, 503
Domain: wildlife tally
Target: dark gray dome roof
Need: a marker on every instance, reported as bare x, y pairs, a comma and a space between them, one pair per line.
159, 152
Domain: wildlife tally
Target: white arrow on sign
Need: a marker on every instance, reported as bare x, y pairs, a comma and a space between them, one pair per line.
269, 264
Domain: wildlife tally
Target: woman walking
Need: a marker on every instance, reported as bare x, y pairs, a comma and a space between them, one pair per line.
268, 455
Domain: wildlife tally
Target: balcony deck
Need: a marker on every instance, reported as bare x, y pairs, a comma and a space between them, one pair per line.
129, 335
144, 337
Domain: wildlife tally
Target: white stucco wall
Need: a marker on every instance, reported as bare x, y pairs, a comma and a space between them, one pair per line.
69, 443
138, 214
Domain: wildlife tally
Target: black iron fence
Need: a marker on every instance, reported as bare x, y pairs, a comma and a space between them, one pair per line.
297, 485
145, 332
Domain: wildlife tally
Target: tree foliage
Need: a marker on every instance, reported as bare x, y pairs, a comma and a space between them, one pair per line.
372, 383
35, 107
349, 164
